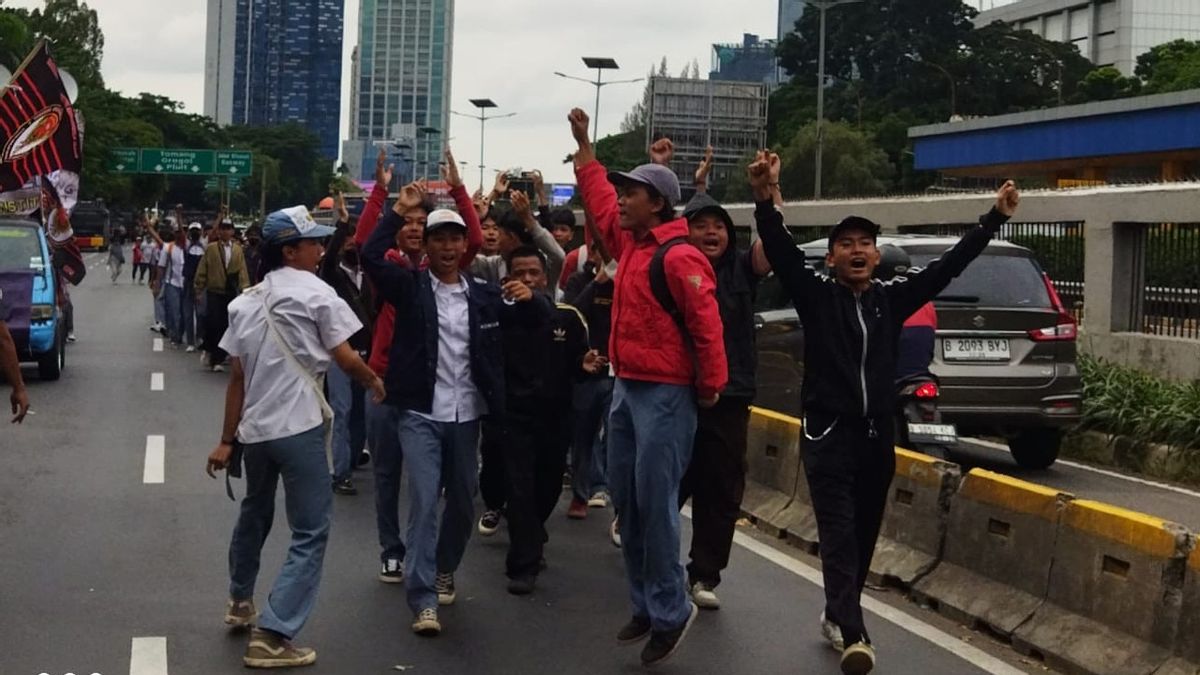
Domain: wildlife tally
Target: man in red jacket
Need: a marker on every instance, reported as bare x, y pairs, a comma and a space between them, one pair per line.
667, 362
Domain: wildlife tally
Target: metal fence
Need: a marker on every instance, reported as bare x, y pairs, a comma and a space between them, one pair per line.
1165, 283
1058, 248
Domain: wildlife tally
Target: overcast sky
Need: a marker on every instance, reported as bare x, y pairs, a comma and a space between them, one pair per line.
507, 51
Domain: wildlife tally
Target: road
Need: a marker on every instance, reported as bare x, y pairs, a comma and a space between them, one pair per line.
106, 570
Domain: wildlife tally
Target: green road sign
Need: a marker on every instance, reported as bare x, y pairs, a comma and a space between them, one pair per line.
123, 160
214, 183
234, 163
186, 162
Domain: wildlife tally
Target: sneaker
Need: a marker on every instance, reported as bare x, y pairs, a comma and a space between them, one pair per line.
71, 337
598, 501
858, 659
219, 368
190, 349
489, 523
426, 623
365, 458
704, 597
832, 633
663, 644
614, 533
271, 650
240, 613
521, 585
345, 487
392, 572
204, 359
577, 510
634, 631
444, 585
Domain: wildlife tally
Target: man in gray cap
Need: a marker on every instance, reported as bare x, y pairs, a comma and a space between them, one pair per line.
283, 335
667, 351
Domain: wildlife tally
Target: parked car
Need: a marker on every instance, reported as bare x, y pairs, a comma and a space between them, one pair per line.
23, 246
1005, 353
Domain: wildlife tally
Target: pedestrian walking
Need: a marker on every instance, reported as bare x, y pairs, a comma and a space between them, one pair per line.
220, 277
445, 373
283, 335
852, 326
192, 309
169, 274
667, 360
116, 254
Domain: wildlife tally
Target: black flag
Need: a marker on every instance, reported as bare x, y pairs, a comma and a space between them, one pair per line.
39, 133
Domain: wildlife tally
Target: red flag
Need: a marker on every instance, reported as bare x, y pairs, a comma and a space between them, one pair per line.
39, 133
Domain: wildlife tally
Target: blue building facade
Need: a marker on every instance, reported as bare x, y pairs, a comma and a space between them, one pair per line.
288, 66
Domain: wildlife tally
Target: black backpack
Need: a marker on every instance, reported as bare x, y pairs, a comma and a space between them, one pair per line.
662, 292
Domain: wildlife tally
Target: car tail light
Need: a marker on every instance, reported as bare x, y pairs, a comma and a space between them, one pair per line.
1066, 327
1062, 408
927, 390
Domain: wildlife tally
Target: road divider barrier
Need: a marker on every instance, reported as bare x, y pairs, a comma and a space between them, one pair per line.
772, 463
998, 550
914, 523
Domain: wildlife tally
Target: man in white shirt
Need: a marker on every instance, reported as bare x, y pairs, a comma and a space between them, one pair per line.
282, 336
168, 275
445, 371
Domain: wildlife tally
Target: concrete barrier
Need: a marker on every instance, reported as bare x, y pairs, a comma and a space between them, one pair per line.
1187, 641
914, 524
996, 561
772, 464
1114, 597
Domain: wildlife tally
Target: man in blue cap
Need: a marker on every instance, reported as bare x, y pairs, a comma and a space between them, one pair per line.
283, 334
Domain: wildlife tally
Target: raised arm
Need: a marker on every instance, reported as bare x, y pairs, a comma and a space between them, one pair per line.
778, 247
466, 208
393, 282
370, 215
599, 196
542, 238
758, 255
909, 294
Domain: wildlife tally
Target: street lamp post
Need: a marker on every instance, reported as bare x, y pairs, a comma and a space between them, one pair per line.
600, 64
1051, 54
953, 85
823, 6
483, 104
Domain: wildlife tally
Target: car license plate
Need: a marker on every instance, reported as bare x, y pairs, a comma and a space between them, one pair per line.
932, 433
975, 349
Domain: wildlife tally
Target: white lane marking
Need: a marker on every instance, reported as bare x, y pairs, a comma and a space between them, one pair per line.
973, 655
1102, 472
158, 344
148, 656
156, 381
154, 470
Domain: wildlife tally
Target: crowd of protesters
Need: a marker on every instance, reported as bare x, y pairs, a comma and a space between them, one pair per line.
468, 351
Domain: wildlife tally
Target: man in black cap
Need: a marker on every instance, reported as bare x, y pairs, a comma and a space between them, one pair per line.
851, 325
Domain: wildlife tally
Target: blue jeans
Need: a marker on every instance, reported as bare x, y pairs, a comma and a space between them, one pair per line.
593, 398
300, 459
173, 307
342, 392
383, 435
650, 434
438, 455
160, 311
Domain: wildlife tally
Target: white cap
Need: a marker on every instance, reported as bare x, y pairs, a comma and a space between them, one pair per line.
195, 226
442, 218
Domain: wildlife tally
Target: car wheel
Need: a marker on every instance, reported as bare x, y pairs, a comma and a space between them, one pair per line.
51, 364
1036, 448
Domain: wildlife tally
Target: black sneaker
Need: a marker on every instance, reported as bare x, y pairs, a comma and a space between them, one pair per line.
663, 644
364, 459
344, 487
443, 583
392, 571
489, 523
634, 631
521, 585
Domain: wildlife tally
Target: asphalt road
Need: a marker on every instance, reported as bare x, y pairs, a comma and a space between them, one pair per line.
102, 572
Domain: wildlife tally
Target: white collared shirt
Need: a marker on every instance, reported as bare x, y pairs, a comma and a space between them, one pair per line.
455, 396
170, 258
226, 253
313, 320
355, 274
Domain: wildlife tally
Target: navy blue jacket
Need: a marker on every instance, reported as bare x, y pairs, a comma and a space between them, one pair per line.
412, 359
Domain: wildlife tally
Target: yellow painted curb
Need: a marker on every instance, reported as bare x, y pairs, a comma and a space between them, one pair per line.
772, 415
1012, 494
1141, 532
917, 467
1194, 559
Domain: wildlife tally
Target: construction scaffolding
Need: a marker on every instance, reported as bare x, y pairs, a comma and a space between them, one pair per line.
729, 116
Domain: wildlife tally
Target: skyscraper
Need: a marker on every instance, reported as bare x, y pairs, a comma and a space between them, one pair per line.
276, 61
790, 12
403, 87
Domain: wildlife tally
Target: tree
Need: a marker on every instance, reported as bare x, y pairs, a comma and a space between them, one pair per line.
853, 166
638, 117
16, 38
623, 151
1174, 66
78, 41
1106, 84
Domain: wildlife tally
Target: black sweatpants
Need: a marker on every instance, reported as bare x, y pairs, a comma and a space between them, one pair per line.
716, 482
535, 454
215, 324
493, 486
849, 471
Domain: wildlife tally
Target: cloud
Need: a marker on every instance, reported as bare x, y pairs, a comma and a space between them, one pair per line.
507, 51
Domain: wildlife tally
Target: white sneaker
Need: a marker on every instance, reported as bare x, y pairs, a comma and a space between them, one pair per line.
444, 585
704, 597
190, 349
614, 533
598, 501
858, 659
426, 623
832, 633
392, 571
71, 337
218, 368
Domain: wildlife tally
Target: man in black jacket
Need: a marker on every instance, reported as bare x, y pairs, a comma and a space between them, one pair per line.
541, 363
851, 328
445, 367
340, 269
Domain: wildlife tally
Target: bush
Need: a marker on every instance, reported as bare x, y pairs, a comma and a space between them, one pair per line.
1139, 407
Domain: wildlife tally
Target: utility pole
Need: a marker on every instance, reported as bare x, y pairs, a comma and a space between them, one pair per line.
823, 6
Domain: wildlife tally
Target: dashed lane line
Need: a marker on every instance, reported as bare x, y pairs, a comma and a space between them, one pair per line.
156, 381
158, 344
148, 656
154, 469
